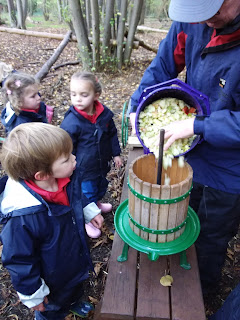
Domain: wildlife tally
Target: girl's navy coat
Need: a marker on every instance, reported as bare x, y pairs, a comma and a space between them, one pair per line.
23, 117
44, 241
94, 143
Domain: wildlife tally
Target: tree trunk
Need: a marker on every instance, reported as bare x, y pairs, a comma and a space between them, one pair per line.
88, 16
46, 67
81, 33
95, 33
107, 29
46, 10
20, 20
137, 8
25, 9
59, 6
12, 13
141, 21
121, 31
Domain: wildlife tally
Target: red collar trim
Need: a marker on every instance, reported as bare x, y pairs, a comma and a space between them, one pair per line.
31, 110
92, 118
223, 39
59, 196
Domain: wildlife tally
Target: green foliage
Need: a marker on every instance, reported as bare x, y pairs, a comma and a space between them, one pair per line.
38, 19
154, 8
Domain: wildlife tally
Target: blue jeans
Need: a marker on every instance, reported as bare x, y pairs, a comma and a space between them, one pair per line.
94, 190
52, 313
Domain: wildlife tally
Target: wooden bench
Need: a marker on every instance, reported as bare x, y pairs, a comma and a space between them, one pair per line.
133, 290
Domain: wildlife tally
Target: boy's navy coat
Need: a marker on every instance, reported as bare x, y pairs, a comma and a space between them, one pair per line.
23, 117
94, 143
46, 241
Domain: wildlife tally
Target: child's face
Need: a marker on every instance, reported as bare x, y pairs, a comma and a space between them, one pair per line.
30, 97
64, 166
83, 95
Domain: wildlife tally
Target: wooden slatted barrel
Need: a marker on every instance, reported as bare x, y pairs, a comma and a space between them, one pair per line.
158, 213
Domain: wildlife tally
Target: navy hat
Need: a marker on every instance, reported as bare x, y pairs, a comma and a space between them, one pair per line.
193, 10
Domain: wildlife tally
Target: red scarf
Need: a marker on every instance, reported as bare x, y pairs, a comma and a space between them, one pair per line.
59, 196
92, 118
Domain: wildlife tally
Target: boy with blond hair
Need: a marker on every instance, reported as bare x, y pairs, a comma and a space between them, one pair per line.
44, 241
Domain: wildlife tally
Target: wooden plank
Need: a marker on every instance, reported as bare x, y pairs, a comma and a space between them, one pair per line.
119, 294
118, 301
153, 298
186, 293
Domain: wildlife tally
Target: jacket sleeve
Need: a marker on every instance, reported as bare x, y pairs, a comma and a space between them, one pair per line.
36, 298
211, 128
71, 126
20, 257
169, 61
116, 150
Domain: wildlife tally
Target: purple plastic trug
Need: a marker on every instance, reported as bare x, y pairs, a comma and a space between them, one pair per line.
173, 89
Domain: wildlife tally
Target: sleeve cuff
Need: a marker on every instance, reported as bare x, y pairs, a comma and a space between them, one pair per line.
90, 211
199, 125
36, 298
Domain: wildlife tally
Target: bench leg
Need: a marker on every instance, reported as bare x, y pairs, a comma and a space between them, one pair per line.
124, 256
183, 261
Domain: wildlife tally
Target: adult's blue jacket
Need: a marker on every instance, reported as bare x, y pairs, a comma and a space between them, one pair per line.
10, 120
44, 244
94, 144
212, 67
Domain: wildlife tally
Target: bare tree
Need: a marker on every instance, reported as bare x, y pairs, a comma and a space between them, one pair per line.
20, 15
81, 33
95, 33
59, 7
107, 28
114, 45
121, 31
132, 29
12, 13
46, 5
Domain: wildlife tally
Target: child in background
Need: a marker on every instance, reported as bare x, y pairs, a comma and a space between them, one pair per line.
23, 102
43, 237
95, 142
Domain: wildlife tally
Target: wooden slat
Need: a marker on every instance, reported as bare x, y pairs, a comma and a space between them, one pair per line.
186, 294
163, 218
145, 214
154, 211
153, 298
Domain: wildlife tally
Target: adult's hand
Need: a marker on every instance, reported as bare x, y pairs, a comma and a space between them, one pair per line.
178, 130
132, 120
